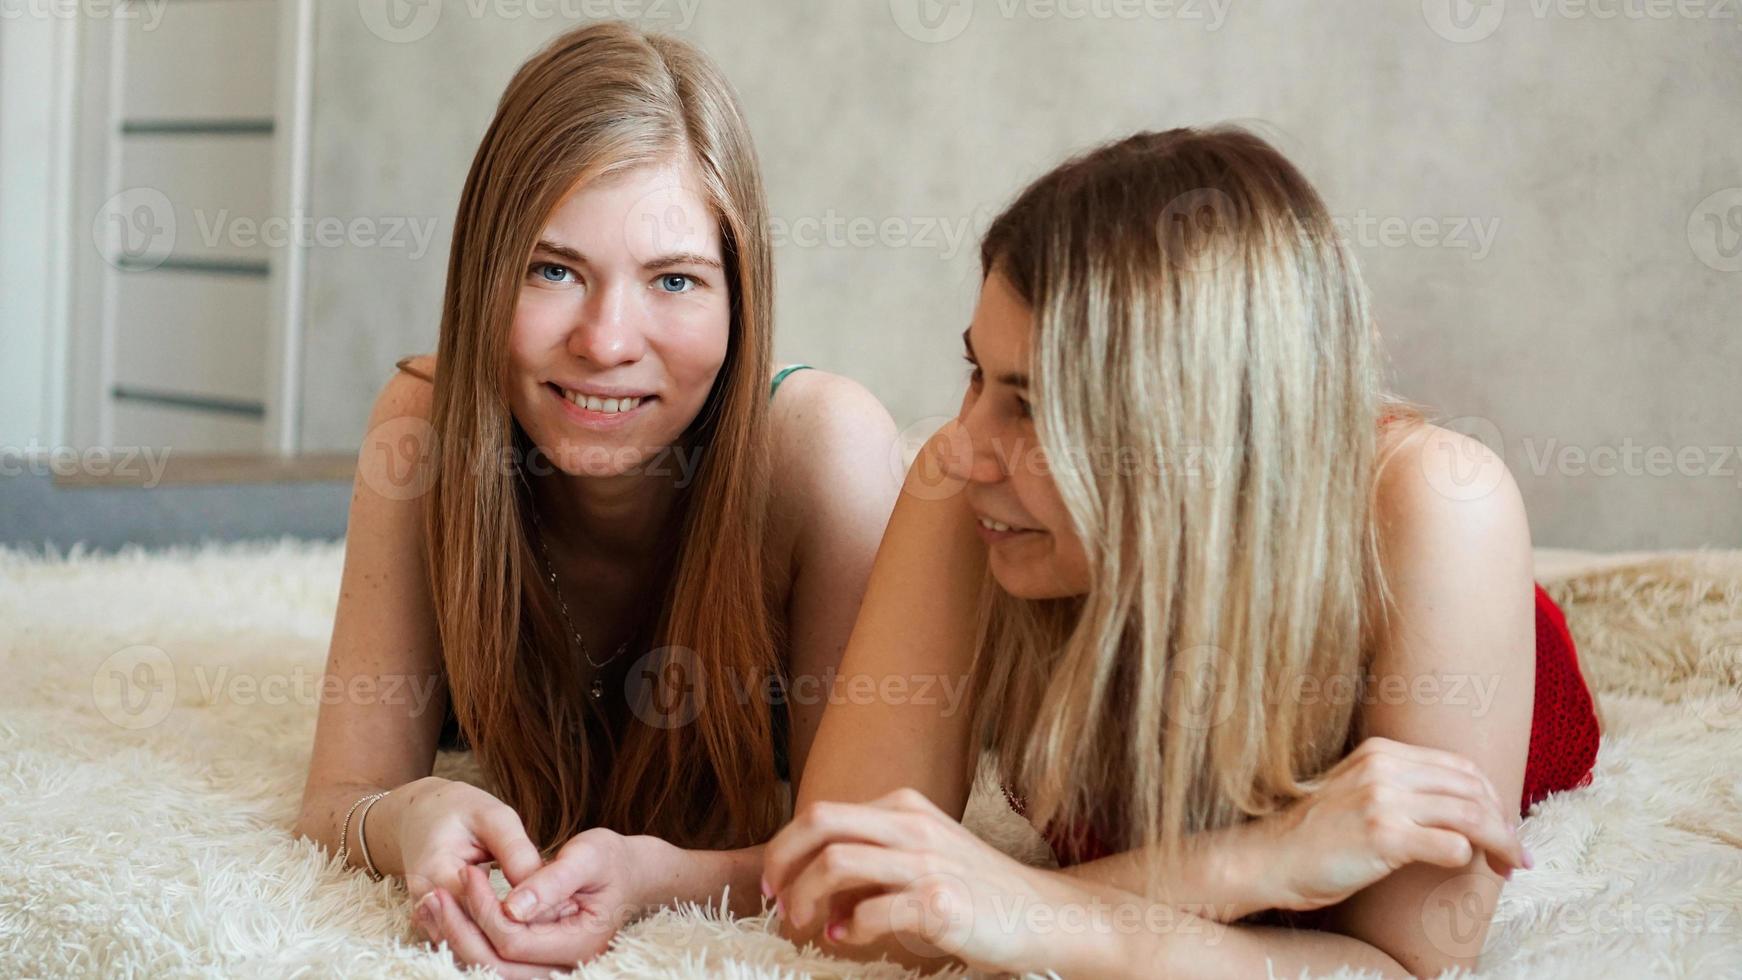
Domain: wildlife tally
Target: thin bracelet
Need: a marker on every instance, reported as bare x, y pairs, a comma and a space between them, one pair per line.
363, 839
344, 828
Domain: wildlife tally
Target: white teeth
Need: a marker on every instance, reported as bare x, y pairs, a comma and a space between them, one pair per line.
609, 406
992, 525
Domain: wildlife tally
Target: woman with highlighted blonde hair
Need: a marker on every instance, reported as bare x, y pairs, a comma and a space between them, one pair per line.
591, 519
1188, 551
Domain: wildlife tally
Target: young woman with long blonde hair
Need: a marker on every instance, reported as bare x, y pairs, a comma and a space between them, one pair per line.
589, 518
1255, 645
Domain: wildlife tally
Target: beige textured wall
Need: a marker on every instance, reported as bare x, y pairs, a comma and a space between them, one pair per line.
1546, 196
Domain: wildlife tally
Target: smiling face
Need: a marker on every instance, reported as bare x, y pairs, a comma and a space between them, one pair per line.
622, 322
1033, 552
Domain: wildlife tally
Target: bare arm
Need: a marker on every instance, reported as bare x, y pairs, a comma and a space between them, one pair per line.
1184, 946
384, 640
899, 716
1224, 876
833, 465
1460, 565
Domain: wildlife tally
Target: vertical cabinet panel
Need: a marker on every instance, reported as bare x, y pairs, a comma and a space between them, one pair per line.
185, 293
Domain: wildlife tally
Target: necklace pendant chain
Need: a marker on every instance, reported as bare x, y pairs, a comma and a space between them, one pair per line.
597, 689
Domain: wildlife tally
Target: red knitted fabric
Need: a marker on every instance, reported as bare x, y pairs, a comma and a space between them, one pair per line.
1563, 733
1563, 729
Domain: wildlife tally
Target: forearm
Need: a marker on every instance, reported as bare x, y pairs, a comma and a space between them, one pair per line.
673, 874
1224, 875
1176, 944
905, 952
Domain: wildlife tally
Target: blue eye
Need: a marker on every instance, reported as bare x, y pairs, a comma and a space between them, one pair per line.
675, 282
551, 272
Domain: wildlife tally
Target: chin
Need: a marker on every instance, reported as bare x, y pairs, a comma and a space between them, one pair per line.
1029, 580
562, 452
598, 460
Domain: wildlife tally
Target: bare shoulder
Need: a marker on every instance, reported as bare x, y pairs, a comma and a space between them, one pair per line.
395, 459
406, 393
821, 422
836, 471
420, 364
1434, 482
1456, 550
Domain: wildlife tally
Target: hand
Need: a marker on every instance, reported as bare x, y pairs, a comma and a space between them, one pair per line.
574, 906
443, 827
899, 868
1387, 805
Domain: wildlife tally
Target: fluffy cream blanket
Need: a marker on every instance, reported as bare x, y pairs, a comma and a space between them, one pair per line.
156, 713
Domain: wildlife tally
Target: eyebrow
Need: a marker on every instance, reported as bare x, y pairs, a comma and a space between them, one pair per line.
568, 254
560, 251
681, 258
1014, 379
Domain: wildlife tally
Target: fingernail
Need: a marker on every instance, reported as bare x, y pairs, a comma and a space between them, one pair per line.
520, 904
766, 891
780, 908
426, 908
1529, 862
835, 931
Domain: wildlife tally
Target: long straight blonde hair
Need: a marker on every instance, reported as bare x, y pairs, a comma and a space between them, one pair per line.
597, 101
1207, 391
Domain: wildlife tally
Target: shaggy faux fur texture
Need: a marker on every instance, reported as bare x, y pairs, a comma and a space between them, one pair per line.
156, 714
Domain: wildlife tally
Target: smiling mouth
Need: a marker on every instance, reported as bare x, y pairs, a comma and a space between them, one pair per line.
604, 406
1003, 528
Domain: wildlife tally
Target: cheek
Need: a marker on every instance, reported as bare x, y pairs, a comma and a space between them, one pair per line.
1067, 560
541, 320
1071, 563
692, 345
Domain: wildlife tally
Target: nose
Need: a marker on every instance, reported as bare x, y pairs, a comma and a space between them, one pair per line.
611, 328
972, 451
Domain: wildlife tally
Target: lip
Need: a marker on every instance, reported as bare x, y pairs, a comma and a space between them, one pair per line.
601, 391
587, 418
995, 537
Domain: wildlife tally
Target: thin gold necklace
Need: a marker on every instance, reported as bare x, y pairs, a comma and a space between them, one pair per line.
598, 687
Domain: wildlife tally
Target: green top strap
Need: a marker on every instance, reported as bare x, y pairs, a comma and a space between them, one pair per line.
778, 378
